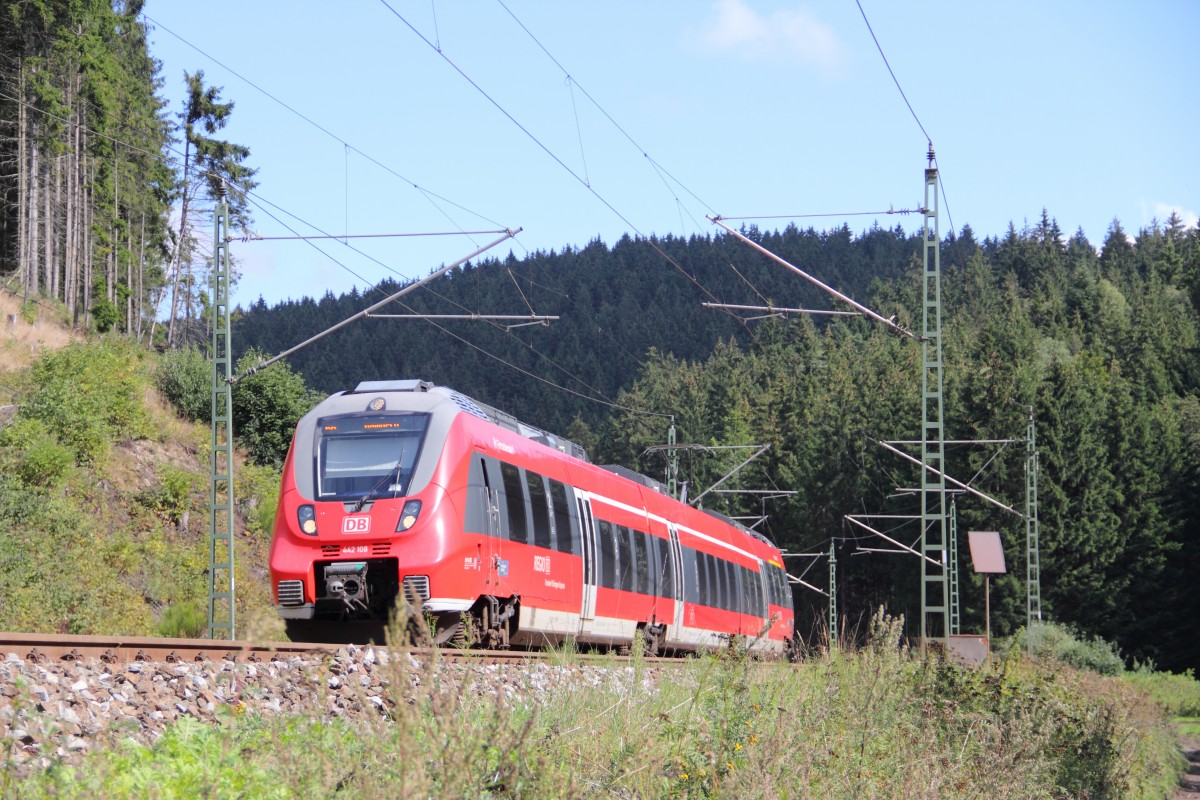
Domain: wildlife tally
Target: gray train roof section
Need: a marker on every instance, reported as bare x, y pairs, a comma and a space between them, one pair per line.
441, 403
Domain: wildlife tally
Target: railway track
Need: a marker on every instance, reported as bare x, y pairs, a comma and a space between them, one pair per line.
53, 647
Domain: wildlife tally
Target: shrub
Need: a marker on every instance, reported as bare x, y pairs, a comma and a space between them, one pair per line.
184, 377
105, 315
186, 620
257, 492
173, 494
38, 457
1058, 642
1178, 694
266, 407
90, 395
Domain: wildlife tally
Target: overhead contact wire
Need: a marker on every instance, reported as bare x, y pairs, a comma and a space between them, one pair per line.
895, 80
424, 191
559, 161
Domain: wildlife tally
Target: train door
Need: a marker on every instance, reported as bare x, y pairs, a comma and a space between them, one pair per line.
490, 502
676, 630
588, 528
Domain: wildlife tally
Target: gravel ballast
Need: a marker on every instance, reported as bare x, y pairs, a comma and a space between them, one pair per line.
58, 711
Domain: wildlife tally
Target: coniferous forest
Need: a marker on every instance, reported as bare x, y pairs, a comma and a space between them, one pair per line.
1097, 341
104, 196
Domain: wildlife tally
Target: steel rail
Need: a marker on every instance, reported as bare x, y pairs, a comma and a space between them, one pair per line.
52, 647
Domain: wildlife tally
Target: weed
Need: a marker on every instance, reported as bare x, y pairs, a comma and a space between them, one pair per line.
183, 620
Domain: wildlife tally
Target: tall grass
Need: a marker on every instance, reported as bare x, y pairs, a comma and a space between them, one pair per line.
880, 722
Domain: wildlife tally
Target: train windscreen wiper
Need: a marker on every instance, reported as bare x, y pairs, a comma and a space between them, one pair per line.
393, 476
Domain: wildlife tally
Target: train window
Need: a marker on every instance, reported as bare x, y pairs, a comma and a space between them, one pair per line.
641, 563
732, 601
717, 576
608, 554
756, 582
713, 595
691, 583
743, 589
625, 557
566, 528
539, 508
724, 590
666, 569
514, 497
365, 456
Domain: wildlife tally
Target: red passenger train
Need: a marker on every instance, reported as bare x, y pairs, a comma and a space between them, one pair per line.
503, 534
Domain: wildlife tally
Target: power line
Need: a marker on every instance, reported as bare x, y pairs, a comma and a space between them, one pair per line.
895, 80
552, 362
832, 214
425, 192
258, 238
654, 164
556, 159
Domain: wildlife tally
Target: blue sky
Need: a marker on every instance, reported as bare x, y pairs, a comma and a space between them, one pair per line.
595, 119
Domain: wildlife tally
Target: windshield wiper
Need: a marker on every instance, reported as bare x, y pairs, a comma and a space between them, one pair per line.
391, 476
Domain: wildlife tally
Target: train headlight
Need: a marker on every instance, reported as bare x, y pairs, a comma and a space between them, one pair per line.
408, 515
307, 516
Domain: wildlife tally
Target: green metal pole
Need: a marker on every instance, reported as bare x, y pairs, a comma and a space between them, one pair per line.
935, 586
1033, 570
220, 551
833, 623
955, 611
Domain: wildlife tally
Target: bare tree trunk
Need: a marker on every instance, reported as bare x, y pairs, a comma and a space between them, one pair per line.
141, 281
22, 176
48, 229
75, 222
88, 246
32, 227
129, 283
181, 243
110, 275
56, 274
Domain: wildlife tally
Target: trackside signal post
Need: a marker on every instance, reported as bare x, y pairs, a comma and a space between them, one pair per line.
935, 573
220, 526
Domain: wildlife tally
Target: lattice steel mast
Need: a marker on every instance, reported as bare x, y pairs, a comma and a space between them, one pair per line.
935, 584
1033, 569
220, 527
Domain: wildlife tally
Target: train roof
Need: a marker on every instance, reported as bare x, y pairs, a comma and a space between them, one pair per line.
507, 421
478, 409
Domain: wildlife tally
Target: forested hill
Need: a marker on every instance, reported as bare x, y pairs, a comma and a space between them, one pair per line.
106, 197
1099, 343
613, 306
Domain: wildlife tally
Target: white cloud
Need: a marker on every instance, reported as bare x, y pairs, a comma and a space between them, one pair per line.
737, 29
1163, 210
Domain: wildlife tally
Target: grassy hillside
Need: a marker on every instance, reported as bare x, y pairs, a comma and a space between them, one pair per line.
104, 493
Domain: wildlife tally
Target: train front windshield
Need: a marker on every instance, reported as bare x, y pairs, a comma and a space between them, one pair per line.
367, 456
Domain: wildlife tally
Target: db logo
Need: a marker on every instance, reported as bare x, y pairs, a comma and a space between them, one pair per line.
356, 524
